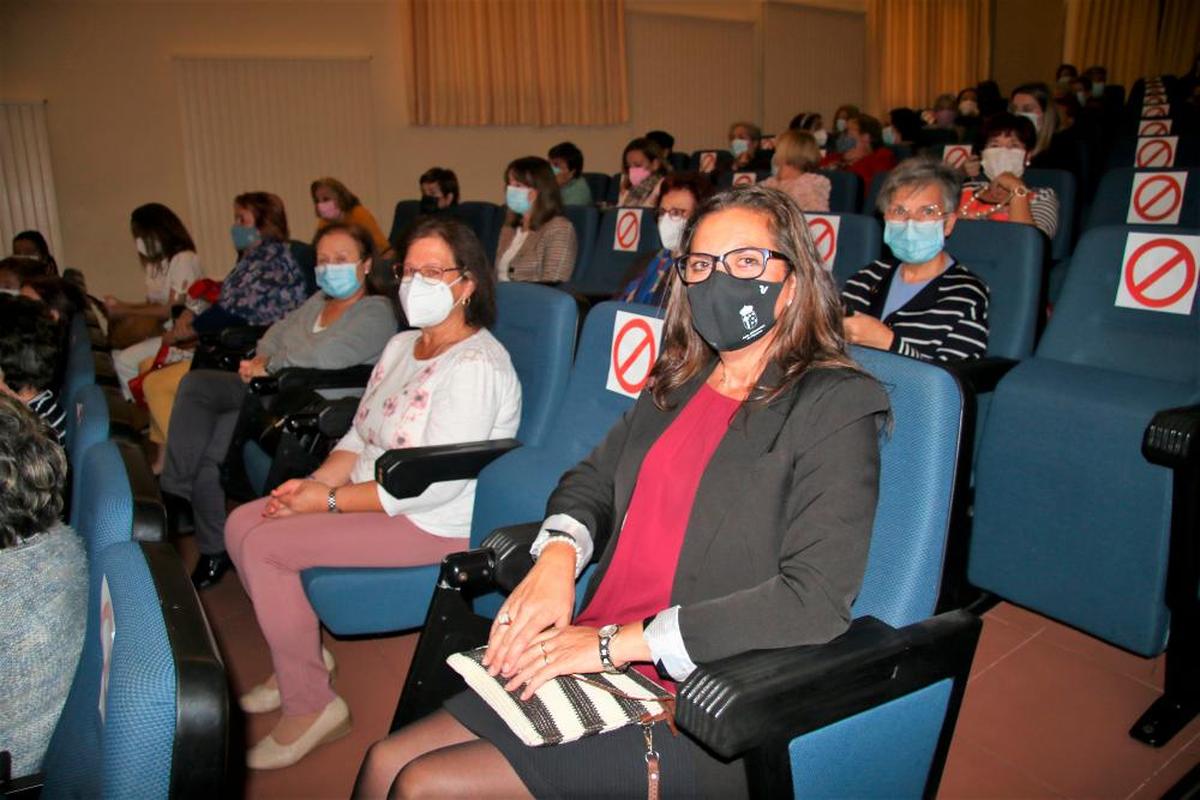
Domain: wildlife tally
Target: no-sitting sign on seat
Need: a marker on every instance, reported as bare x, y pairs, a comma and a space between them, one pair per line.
1154, 127
1156, 198
635, 344
956, 154
1158, 273
824, 232
1156, 151
628, 230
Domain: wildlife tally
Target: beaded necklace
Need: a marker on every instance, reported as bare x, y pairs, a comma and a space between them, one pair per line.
989, 209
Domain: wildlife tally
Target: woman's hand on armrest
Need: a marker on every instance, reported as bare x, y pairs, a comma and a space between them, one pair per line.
544, 599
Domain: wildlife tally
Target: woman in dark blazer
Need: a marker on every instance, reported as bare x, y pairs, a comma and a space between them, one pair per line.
733, 505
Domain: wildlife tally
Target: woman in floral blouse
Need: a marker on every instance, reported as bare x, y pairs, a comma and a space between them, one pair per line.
263, 287
446, 382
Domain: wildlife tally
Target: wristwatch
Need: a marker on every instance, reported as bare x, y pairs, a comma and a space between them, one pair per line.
331, 501
606, 636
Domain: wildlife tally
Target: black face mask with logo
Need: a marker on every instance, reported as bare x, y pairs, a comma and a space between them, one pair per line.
729, 313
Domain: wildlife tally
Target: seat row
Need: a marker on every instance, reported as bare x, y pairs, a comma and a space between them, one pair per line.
147, 712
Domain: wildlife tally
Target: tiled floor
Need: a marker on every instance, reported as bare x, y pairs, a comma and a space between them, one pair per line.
1045, 715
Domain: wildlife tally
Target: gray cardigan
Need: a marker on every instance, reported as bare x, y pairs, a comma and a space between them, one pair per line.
43, 585
357, 337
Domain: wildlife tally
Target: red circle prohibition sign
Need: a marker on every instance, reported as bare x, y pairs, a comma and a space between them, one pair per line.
1148, 153
1155, 128
1149, 112
1137, 289
622, 368
1144, 205
627, 229
821, 231
956, 156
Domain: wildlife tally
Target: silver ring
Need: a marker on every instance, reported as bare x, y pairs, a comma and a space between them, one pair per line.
504, 618
545, 658
542, 646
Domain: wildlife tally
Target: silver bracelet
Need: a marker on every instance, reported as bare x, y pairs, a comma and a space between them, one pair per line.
551, 535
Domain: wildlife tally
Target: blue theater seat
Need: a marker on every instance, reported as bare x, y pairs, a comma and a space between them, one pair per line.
598, 183
608, 264
585, 219
1063, 184
1087, 472
870, 714
406, 211
859, 242
382, 600
87, 424
845, 191
164, 728
1111, 204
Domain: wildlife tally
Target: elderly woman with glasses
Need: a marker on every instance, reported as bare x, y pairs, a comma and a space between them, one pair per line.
733, 504
447, 381
922, 303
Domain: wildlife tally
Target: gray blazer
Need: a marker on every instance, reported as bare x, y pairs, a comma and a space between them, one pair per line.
776, 545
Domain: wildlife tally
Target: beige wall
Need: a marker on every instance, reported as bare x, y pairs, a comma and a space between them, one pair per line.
104, 66
1027, 41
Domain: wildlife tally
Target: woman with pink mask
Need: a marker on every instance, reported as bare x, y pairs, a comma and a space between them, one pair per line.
333, 202
643, 168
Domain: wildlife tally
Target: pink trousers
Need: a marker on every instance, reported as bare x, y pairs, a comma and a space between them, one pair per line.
270, 554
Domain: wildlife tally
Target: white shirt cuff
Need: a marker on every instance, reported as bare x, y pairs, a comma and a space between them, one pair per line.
665, 641
566, 524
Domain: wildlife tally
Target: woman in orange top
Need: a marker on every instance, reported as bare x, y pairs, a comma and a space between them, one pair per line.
333, 202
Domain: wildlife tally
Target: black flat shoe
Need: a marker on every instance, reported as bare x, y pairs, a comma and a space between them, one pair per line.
210, 569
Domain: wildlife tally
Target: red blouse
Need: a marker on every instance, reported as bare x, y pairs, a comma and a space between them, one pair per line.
642, 571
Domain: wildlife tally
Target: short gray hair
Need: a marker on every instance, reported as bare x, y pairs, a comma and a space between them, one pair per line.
917, 173
33, 469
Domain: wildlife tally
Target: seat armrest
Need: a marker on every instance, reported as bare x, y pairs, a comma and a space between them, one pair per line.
336, 417
240, 337
292, 378
471, 571
1172, 439
302, 422
980, 375
149, 511
408, 471
511, 545
738, 704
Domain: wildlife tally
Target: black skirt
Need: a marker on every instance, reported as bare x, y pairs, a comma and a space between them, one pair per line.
610, 765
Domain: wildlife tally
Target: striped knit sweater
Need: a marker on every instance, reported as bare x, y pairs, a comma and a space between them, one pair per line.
945, 321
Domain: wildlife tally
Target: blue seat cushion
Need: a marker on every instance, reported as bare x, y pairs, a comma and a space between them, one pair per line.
1070, 519
358, 600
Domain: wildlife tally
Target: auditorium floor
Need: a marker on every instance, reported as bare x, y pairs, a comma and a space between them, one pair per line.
1046, 711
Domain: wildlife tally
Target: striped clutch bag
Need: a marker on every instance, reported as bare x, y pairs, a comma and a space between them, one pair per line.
568, 707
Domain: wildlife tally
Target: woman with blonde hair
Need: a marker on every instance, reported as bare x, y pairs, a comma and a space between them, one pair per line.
794, 170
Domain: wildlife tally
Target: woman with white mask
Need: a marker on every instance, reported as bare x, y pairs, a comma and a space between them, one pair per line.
445, 382
1001, 194
649, 277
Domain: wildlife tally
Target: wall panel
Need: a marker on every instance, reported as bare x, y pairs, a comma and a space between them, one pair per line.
27, 196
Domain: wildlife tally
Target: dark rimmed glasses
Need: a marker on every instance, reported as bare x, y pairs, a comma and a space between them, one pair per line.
744, 263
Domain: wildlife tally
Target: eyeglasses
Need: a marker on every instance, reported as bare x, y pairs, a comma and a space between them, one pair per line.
744, 263
673, 213
923, 214
430, 272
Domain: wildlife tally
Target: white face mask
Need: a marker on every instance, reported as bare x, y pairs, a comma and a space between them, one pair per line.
821, 136
1036, 119
147, 248
998, 160
426, 303
670, 231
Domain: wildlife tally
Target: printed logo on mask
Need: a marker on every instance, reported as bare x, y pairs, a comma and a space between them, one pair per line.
749, 317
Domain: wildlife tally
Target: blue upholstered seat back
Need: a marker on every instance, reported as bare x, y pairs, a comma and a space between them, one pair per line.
87, 424
536, 324
608, 265
103, 512
1089, 329
586, 220
514, 488
845, 191
1008, 258
1063, 184
916, 488
1111, 204
859, 242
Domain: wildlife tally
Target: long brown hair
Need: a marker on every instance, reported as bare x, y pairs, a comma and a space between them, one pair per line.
808, 332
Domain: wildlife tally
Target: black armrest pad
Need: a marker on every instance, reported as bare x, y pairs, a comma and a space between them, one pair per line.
470, 570
302, 422
980, 375
241, 337
336, 417
354, 377
739, 703
149, 512
264, 385
1172, 438
511, 548
409, 471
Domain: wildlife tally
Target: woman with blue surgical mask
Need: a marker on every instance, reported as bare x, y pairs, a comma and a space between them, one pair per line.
537, 243
920, 303
342, 325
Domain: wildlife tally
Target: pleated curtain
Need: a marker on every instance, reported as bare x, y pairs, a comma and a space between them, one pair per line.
918, 49
519, 62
